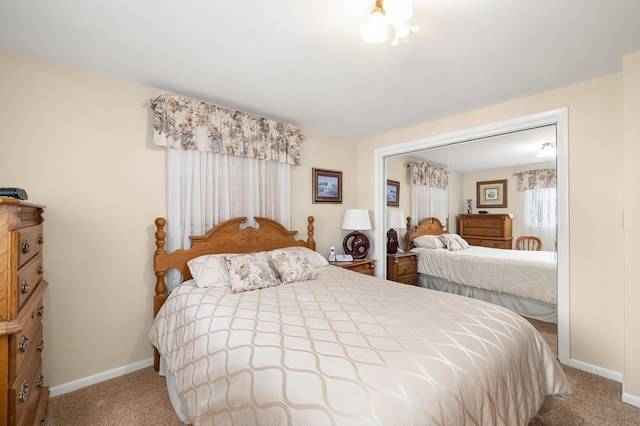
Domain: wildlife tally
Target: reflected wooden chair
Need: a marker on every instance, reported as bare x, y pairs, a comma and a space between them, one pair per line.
528, 242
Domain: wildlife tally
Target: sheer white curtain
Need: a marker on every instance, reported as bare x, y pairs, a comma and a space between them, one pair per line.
427, 201
205, 188
429, 195
540, 215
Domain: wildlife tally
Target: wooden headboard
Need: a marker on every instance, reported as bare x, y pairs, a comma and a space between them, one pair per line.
428, 226
226, 237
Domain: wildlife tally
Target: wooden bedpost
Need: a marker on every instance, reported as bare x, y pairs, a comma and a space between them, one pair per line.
160, 267
311, 242
407, 240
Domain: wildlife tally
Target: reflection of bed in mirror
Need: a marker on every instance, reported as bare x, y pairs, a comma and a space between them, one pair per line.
522, 281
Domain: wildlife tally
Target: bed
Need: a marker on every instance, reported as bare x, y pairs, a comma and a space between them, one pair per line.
523, 281
336, 347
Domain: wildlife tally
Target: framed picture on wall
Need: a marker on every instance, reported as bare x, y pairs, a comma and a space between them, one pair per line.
393, 193
327, 186
491, 194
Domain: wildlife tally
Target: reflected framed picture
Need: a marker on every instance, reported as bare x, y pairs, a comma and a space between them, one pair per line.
393, 193
327, 186
491, 194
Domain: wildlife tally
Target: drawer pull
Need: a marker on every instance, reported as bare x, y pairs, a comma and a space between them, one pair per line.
40, 309
24, 287
40, 239
407, 269
40, 269
24, 341
41, 345
25, 247
40, 381
407, 281
24, 391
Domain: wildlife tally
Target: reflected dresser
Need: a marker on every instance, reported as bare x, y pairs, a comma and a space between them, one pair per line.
23, 395
486, 230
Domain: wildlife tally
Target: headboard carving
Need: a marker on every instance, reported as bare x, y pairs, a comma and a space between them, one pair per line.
428, 226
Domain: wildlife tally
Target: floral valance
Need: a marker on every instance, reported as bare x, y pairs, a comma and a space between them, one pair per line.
536, 179
184, 123
425, 174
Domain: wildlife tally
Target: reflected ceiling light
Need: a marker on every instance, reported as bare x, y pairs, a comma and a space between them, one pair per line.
394, 13
547, 150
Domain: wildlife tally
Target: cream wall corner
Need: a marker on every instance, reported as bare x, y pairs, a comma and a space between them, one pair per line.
631, 385
80, 143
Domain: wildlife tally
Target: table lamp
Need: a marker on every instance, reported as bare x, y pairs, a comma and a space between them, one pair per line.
395, 219
356, 243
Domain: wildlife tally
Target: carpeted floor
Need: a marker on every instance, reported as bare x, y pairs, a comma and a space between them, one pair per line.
140, 398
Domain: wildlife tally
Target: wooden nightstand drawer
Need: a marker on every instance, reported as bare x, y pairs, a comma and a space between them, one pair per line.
407, 279
364, 266
403, 268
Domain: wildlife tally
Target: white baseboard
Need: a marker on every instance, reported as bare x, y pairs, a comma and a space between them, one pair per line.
598, 371
100, 377
631, 399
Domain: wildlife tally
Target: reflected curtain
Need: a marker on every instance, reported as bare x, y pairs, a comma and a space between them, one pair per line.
429, 195
540, 213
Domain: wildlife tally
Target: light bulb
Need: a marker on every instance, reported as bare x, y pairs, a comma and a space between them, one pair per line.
376, 30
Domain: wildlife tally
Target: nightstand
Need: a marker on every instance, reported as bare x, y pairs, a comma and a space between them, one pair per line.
364, 266
403, 268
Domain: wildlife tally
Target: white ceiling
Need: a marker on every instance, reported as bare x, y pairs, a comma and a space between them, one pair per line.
506, 150
304, 61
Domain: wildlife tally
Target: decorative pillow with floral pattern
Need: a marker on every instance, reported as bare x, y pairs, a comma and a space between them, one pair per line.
250, 271
454, 242
291, 264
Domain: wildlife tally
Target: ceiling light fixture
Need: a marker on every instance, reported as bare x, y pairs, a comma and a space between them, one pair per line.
396, 14
547, 150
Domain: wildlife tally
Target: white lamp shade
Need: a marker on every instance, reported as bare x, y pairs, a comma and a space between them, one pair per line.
395, 219
356, 220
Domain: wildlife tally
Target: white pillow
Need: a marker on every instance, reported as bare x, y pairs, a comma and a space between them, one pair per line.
428, 241
292, 265
250, 271
210, 270
454, 242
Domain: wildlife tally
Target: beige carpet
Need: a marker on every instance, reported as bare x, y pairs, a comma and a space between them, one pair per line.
140, 398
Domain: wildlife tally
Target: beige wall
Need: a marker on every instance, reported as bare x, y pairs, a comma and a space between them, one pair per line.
595, 150
324, 152
80, 142
631, 385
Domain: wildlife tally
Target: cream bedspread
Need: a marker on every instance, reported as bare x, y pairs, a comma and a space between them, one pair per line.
531, 274
352, 349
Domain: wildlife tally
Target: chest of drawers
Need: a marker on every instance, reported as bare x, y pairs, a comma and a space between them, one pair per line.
486, 230
403, 268
23, 394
